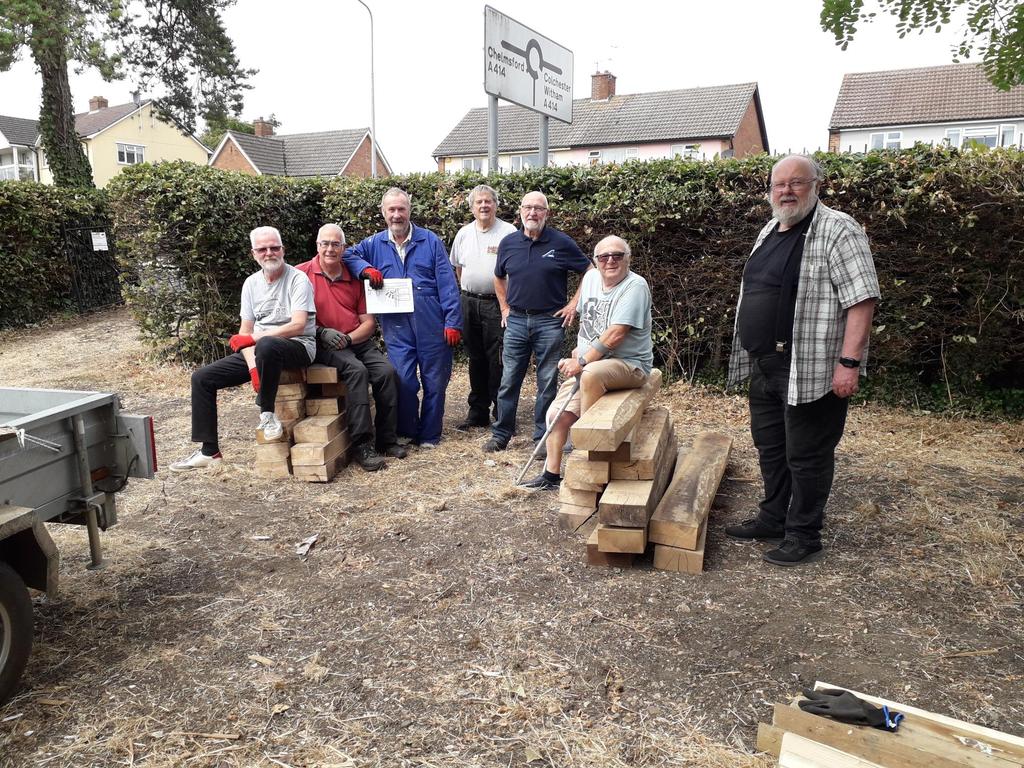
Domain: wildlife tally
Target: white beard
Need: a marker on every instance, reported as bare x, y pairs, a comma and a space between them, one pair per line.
787, 217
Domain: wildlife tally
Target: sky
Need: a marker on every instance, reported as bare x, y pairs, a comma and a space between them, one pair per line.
314, 61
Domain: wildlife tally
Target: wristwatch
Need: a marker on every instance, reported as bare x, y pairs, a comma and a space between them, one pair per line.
582, 361
849, 362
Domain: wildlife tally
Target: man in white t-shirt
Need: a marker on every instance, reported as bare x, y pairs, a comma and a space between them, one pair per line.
473, 255
613, 347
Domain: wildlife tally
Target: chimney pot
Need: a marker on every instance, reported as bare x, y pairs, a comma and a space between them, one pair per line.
97, 102
602, 86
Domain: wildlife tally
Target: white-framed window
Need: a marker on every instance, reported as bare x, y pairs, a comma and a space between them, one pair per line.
17, 164
685, 151
521, 162
886, 140
594, 156
987, 136
1007, 135
619, 154
473, 164
130, 154
953, 137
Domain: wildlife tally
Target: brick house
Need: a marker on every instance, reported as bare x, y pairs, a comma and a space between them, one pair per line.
698, 123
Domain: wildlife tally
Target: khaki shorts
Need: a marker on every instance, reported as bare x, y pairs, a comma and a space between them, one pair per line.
613, 374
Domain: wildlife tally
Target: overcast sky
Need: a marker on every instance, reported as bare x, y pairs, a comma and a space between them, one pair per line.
314, 61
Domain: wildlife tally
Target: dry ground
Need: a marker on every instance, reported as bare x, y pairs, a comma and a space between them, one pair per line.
443, 620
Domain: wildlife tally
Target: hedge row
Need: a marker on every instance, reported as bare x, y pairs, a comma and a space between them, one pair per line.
945, 228
37, 281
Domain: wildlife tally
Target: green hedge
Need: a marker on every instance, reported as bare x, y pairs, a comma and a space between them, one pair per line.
945, 228
36, 274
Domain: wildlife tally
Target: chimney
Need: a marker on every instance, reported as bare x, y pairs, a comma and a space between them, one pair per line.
136, 98
602, 86
262, 127
97, 102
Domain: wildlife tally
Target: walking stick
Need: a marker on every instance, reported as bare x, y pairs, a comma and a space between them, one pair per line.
543, 440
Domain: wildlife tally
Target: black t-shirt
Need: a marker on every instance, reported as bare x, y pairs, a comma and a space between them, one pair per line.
762, 284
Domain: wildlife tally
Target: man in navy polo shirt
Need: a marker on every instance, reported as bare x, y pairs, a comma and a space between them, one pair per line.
530, 282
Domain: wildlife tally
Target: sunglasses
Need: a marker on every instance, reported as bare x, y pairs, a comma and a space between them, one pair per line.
615, 256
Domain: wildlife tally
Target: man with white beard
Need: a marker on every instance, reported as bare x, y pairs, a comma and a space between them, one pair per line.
278, 319
802, 326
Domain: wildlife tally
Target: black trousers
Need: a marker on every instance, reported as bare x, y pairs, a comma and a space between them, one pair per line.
273, 355
482, 334
362, 367
796, 448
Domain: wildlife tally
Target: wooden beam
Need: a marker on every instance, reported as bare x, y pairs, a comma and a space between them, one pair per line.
631, 502
571, 517
320, 473
291, 392
654, 436
623, 453
769, 739
579, 485
287, 426
610, 559
682, 560
578, 468
678, 517
289, 410
614, 539
321, 374
312, 454
324, 406
292, 376
339, 389
605, 425
318, 429
270, 452
568, 495
798, 752
274, 470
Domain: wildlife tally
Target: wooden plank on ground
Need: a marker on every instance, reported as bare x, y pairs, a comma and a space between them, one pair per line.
318, 429
653, 438
633, 501
682, 560
319, 473
289, 410
677, 519
321, 374
270, 452
311, 454
324, 406
274, 470
608, 421
610, 559
769, 738
568, 495
581, 470
291, 392
572, 517
798, 752
611, 538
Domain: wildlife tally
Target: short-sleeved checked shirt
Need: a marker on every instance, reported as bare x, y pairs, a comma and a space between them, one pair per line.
836, 272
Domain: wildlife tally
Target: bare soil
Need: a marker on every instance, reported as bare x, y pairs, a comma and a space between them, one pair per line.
442, 619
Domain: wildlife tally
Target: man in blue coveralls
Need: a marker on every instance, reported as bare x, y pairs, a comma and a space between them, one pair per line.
421, 339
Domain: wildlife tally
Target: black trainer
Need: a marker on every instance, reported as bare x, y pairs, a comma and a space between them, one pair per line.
494, 444
395, 451
541, 483
793, 552
756, 530
368, 458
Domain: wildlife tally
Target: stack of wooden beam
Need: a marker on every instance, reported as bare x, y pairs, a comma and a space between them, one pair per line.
273, 457
321, 439
924, 740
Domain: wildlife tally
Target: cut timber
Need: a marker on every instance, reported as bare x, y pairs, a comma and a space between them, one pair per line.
945, 728
319, 473
623, 453
311, 454
678, 518
886, 749
682, 560
769, 738
287, 410
274, 470
653, 437
612, 559
613, 539
287, 425
293, 376
291, 392
334, 390
631, 502
318, 429
321, 374
798, 752
608, 421
568, 495
578, 485
268, 452
580, 469
324, 406
572, 517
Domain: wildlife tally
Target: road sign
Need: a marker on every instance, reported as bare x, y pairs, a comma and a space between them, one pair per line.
525, 67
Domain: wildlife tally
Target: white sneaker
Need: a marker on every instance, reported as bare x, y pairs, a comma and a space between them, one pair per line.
271, 427
197, 461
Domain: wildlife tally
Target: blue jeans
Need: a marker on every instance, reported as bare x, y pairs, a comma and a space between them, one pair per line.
541, 336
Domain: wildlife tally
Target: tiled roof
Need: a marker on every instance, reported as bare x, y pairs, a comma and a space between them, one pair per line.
325, 153
691, 113
88, 123
924, 95
19, 130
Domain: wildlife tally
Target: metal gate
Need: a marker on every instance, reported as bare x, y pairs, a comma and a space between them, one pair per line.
94, 271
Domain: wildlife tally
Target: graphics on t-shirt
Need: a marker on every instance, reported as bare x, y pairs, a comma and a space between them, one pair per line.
594, 317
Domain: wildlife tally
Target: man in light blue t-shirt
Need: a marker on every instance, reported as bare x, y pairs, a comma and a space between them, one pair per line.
613, 347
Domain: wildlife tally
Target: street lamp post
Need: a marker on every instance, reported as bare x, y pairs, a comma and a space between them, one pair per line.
373, 115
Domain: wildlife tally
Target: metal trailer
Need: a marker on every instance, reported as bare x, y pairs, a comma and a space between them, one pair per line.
63, 456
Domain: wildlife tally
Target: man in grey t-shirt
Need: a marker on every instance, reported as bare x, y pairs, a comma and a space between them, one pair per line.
473, 255
613, 347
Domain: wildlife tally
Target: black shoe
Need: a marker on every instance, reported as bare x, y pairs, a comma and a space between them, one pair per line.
395, 451
541, 483
755, 529
469, 424
793, 552
368, 458
493, 445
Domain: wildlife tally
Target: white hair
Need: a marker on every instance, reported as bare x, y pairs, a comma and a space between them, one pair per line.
259, 231
482, 189
397, 192
333, 226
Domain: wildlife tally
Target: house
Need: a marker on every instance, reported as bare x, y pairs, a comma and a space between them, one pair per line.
327, 153
112, 137
700, 123
953, 104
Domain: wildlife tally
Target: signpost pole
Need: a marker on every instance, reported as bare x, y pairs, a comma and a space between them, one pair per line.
543, 141
492, 134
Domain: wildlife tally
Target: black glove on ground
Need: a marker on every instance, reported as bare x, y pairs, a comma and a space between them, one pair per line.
847, 708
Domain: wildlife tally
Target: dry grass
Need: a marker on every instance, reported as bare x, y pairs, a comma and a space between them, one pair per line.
442, 619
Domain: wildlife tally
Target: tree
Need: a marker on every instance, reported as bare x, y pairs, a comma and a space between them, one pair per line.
180, 45
993, 27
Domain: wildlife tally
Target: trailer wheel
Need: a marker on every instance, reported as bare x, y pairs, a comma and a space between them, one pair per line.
15, 629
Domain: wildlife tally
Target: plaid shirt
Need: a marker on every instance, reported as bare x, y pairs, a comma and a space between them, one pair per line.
837, 272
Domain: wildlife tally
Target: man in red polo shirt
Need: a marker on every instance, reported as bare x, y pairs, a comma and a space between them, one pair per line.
344, 339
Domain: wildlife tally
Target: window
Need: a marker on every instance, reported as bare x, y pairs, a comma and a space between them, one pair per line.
594, 157
889, 140
521, 162
130, 154
986, 136
473, 164
17, 164
618, 154
953, 137
1007, 135
685, 151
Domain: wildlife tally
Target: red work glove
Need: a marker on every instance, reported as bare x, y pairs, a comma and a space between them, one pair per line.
374, 276
453, 336
254, 375
240, 341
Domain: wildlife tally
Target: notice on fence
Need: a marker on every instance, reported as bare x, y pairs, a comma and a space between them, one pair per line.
395, 296
99, 241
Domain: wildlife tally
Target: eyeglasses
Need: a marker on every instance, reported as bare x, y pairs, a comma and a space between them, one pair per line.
329, 243
269, 249
533, 208
615, 256
796, 185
